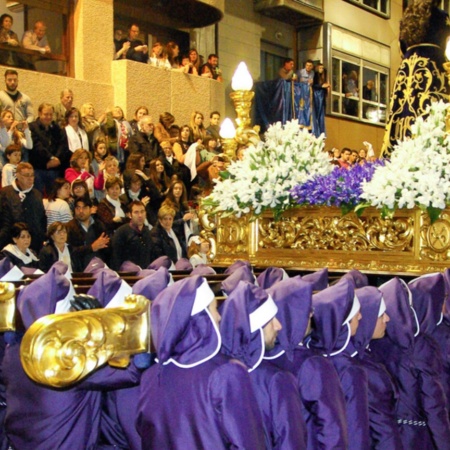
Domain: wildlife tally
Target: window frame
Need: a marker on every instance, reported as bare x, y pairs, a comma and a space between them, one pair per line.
360, 4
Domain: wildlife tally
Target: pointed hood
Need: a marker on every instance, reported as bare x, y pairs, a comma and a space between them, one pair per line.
40, 297
162, 261
271, 276
236, 265
9, 272
242, 273
109, 289
293, 298
183, 330
401, 327
94, 265
372, 307
332, 313
318, 279
244, 315
128, 266
203, 270
428, 294
153, 284
359, 279
183, 264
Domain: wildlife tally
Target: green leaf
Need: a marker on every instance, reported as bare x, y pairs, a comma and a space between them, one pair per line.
346, 208
434, 213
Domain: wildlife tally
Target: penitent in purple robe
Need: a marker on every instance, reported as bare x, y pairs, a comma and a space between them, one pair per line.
317, 381
384, 432
411, 360
331, 336
195, 397
43, 418
275, 389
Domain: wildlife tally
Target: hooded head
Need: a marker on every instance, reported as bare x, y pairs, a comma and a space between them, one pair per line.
40, 297
95, 264
271, 276
402, 326
183, 264
109, 289
359, 279
293, 298
245, 313
128, 266
242, 273
334, 308
236, 265
9, 272
162, 261
372, 307
183, 330
203, 270
318, 279
153, 284
428, 294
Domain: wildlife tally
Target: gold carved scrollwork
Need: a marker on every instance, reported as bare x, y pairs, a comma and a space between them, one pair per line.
7, 307
232, 235
436, 238
390, 234
61, 349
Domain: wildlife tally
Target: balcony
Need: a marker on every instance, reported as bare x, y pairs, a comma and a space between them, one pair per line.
294, 12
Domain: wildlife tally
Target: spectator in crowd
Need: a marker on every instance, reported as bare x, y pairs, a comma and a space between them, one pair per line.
80, 162
173, 50
144, 140
111, 211
19, 252
7, 36
214, 127
158, 57
132, 241
121, 44
344, 160
287, 71
36, 39
137, 51
21, 202
135, 189
90, 123
13, 100
182, 144
194, 62
162, 129
100, 153
171, 165
56, 206
13, 154
108, 169
164, 240
124, 131
354, 158
138, 114
78, 189
199, 251
56, 249
86, 236
198, 131
211, 69
18, 133
62, 107
44, 157
73, 137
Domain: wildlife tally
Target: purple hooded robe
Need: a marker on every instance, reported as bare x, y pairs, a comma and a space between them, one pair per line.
318, 383
41, 417
384, 432
421, 412
194, 397
275, 389
331, 336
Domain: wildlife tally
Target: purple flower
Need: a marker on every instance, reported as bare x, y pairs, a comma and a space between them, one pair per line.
341, 187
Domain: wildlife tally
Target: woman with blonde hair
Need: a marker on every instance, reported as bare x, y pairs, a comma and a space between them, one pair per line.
196, 127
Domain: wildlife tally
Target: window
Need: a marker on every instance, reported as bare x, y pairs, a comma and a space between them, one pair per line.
359, 89
272, 57
380, 7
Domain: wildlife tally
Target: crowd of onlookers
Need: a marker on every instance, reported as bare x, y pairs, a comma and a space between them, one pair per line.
348, 157
93, 174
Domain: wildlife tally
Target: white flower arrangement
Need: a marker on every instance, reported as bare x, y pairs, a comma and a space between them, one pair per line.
264, 178
418, 173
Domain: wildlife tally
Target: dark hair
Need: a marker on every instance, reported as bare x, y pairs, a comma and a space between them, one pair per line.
9, 71
287, 60
139, 108
85, 199
56, 186
416, 21
54, 227
12, 149
2, 18
346, 149
82, 183
154, 174
168, 118
133, 24
69, 112
309, 61
214, 112
133, 161
17, 229
135, 203
171, 199
212, 55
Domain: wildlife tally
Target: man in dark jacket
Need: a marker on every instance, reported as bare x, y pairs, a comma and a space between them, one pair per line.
144, 140
21, 202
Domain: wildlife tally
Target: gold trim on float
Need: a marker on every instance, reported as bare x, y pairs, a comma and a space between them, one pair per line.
317, 237
7, 307
61, 349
